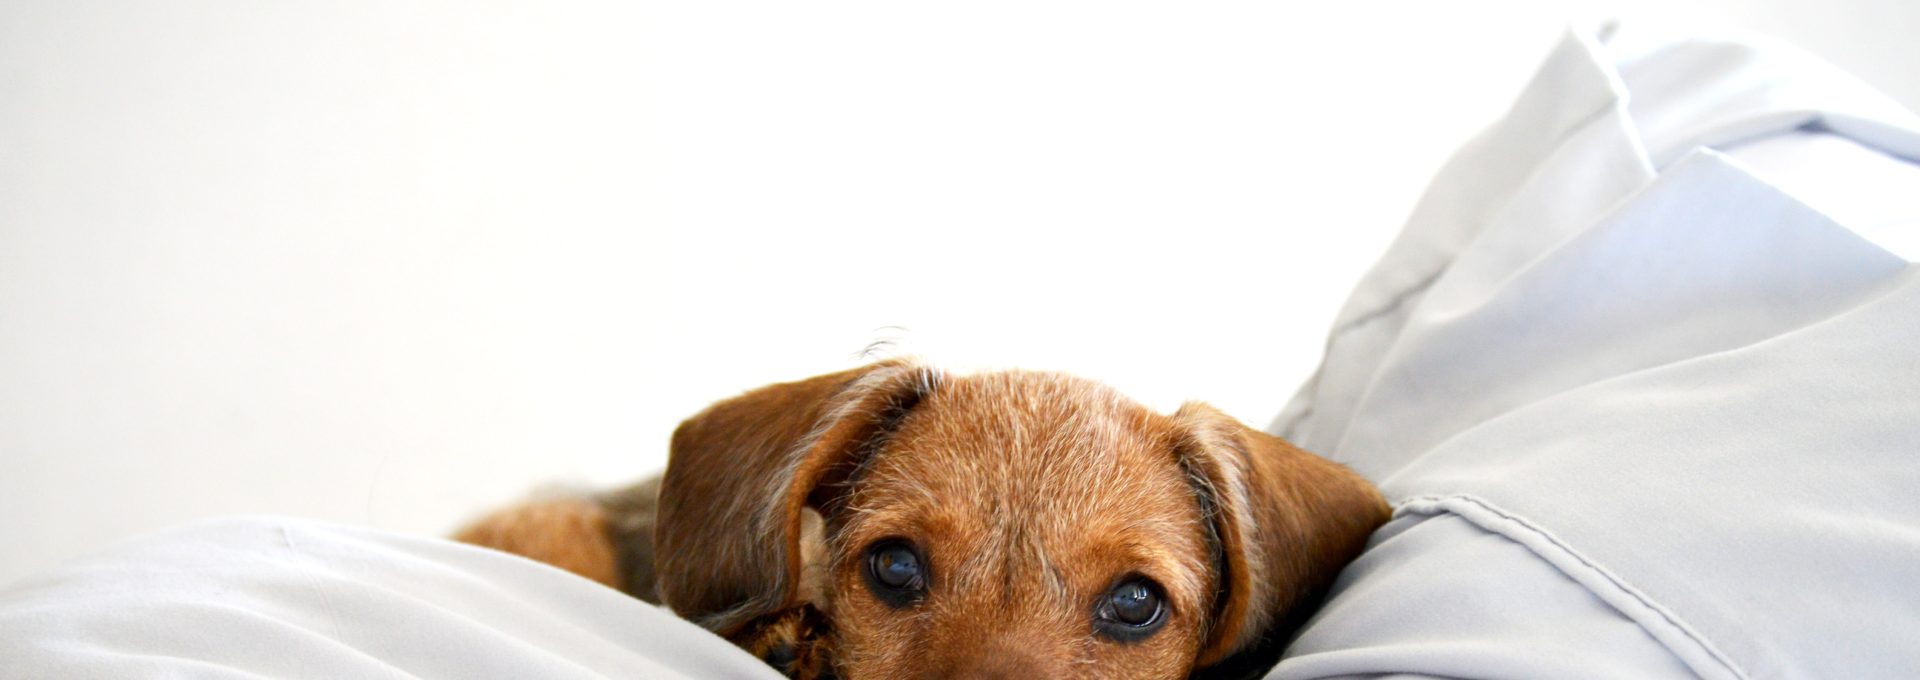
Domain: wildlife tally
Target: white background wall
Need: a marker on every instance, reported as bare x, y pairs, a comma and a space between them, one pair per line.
389, 264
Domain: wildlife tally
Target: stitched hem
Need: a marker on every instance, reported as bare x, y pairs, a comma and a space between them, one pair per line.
1658, 621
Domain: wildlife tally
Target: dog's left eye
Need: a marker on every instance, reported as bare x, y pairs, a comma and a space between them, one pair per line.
1132, 610
895, 573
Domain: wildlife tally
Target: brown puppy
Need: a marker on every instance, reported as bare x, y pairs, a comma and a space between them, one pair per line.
894, 521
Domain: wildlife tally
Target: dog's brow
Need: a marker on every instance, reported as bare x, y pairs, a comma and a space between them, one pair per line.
1056, 578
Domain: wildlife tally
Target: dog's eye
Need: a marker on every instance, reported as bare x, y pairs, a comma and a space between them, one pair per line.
1131, 611
1134, 603
896, 573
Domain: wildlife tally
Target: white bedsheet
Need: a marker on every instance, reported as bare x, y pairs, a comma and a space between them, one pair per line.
284, 598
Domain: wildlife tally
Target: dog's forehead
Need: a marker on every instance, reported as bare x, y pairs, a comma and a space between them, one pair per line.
1033, 422
1047, 451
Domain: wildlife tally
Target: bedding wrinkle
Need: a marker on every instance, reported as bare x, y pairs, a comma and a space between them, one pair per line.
313, 582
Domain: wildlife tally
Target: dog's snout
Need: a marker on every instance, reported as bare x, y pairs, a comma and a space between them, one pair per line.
999, 662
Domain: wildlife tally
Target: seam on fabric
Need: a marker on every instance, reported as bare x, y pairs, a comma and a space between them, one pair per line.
1875, 294
1467, 506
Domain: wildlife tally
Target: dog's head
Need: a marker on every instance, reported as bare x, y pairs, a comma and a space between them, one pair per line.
1001, 525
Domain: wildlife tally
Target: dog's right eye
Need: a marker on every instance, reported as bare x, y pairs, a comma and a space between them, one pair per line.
895, 573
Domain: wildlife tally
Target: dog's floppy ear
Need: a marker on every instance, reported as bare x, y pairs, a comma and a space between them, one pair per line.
741, 472
1284, 521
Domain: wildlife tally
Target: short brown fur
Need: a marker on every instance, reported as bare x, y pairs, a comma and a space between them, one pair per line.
571, 534
1029, 494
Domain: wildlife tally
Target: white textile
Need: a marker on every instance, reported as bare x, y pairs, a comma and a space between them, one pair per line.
284, 598
1644, 407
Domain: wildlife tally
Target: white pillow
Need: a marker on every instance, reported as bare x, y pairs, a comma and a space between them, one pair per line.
285, 598
1640, 412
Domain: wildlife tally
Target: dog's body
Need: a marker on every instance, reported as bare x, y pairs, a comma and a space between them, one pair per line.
893, 521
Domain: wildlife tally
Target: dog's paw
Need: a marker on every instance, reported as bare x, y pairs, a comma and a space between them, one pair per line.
795, 641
